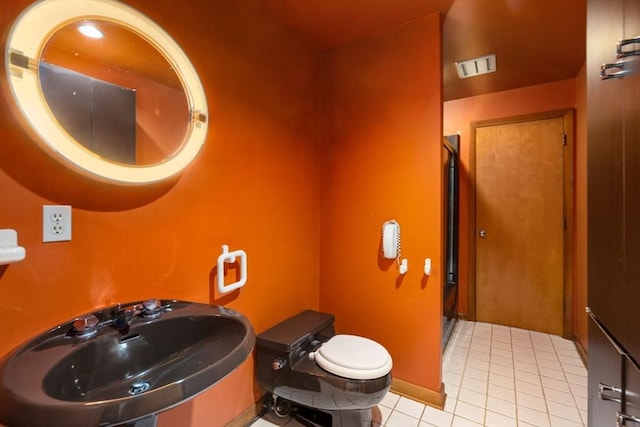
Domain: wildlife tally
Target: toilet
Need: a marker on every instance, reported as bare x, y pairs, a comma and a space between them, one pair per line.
323, 378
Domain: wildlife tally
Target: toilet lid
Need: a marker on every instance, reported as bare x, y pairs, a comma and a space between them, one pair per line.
354, 357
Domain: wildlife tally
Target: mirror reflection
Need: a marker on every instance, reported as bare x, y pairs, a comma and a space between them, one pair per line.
114, 93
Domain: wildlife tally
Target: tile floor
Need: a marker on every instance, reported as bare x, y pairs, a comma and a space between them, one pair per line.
495, 376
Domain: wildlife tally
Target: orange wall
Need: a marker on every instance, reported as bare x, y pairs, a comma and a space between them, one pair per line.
458, 115
255, 186
381, 138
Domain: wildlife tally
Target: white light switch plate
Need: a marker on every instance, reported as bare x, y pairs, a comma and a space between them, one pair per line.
56, 223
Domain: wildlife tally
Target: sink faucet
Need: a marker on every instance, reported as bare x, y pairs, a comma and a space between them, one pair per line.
87, 325
121, 317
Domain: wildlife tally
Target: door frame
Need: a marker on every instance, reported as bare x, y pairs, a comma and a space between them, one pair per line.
567, 209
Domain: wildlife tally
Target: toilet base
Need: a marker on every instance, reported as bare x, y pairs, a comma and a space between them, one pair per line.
312, 417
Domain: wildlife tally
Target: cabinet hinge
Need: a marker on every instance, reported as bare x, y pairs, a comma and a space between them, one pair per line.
564, 223
564, 139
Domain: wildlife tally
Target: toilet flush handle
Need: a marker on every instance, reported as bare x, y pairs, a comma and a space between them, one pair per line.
278, 363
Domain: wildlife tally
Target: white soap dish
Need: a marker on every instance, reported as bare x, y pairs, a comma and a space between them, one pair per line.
10, 252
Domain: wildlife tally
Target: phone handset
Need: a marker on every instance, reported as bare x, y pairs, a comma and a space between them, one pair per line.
391, 239
391, 244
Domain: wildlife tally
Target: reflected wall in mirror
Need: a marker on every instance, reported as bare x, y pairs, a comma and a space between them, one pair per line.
113, 81
153, 122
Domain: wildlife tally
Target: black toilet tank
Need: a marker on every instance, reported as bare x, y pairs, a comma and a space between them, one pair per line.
291, 332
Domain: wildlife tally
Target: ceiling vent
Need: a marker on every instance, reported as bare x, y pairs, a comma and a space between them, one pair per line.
476, 66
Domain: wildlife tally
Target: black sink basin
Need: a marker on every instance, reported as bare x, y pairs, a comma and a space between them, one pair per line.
119, 375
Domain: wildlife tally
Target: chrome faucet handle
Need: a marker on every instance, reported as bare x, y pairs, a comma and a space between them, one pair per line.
85, 325
151, 305
151, 308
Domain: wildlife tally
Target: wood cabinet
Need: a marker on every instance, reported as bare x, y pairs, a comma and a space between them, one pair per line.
613, 134
631, 110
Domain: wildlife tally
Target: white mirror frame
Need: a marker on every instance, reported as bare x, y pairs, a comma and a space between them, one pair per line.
28, 36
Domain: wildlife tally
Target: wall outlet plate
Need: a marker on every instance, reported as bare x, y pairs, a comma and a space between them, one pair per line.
56, 223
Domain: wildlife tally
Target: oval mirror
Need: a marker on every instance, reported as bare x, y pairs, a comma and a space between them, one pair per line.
106, 90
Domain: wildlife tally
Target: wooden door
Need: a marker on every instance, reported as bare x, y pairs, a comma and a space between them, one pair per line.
520, 224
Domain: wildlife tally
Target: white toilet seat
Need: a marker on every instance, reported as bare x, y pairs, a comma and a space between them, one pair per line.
354, 357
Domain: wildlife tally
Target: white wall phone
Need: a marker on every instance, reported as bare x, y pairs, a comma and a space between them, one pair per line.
391, 239
391, 244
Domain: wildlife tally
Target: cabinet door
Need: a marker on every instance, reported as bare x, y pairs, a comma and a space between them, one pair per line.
631, 339
605, 370
605, 167
631, 401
